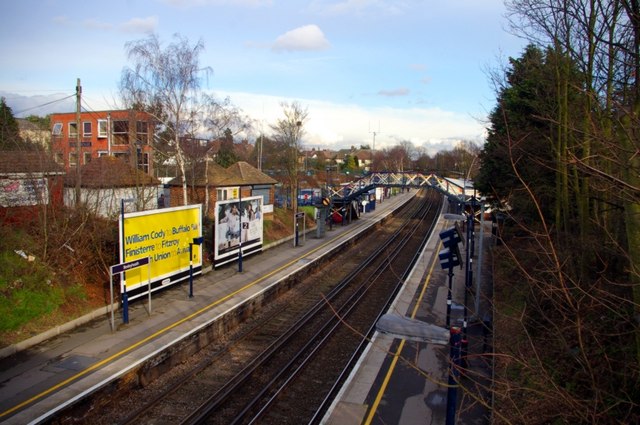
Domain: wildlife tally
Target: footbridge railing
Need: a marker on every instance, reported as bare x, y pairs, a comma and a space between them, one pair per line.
457, 190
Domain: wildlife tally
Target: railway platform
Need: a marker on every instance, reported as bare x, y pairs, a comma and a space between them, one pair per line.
397, 381
37, 382
404, 381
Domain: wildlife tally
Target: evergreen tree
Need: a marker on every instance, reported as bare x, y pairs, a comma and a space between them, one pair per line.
226, 155
519, 149
9, 131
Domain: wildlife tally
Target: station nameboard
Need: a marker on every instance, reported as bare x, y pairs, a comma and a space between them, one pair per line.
119, 268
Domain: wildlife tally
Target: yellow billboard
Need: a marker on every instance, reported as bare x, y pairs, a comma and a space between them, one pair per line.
172, 240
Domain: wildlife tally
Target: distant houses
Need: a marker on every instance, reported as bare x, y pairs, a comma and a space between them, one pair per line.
106, 157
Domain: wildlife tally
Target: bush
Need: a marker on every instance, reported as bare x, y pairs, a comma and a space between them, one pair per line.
26, 286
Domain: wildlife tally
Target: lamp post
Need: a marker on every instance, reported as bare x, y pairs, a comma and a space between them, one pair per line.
295, 170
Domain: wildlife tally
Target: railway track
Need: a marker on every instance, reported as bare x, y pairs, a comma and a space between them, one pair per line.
285, 364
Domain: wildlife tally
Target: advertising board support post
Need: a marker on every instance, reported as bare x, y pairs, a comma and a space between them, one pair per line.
125, 297
121, 269
240, 230
196, 241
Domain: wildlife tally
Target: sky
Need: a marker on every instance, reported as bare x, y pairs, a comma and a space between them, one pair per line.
369, 72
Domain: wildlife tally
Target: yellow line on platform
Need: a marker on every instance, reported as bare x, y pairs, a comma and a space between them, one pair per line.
126, 350
396, 356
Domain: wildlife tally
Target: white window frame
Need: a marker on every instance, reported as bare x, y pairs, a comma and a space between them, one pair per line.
226, 193
57, 129
73, 125
84, 128
120, 132
103, 129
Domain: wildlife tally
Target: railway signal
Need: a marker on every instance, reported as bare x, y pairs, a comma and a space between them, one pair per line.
449, 258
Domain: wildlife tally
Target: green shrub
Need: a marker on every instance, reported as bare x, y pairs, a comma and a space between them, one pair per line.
26, 287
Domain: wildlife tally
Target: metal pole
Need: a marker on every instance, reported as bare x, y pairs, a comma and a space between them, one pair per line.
479, 273
78, 143
449, 296
467, 287
240, 232
190, 270
125, 299
452, 392
125, 304
113, 320
149, 283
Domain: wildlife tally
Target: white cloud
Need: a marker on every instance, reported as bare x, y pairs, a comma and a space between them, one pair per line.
61, 20
134, 25
140, 25
402, 91
338, 125
200, 3
358, 7
308, 37
95, 24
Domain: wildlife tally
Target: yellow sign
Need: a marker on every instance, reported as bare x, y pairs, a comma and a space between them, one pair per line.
166, 236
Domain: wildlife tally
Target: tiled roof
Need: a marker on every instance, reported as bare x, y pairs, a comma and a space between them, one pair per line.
248, 174
195, 175
12, 162
238, 174
109, 171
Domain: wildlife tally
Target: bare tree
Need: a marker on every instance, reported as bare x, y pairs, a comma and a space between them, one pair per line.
572, 343
166, 81
220, 120
288, 131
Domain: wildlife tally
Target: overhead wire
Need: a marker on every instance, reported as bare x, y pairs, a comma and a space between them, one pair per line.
44, 104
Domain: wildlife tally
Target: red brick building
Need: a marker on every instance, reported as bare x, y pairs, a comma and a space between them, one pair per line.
125, 134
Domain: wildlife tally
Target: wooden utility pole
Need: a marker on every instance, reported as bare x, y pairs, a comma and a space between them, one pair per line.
78, 142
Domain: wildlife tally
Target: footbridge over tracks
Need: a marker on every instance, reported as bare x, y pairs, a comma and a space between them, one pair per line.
344, 199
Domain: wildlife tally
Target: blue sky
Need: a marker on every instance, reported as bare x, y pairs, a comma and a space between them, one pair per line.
411, 70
